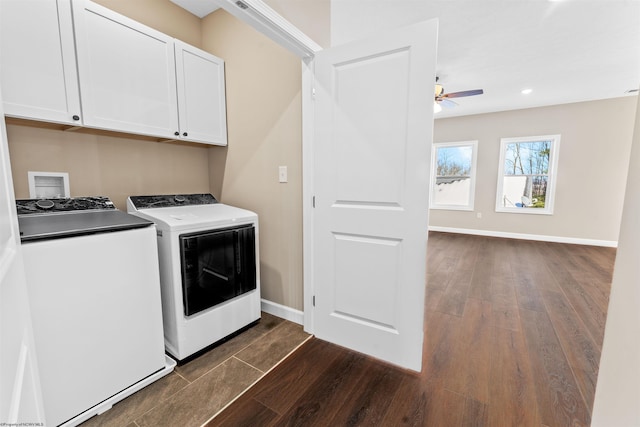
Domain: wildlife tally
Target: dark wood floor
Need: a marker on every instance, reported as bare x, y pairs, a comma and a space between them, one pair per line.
513, 334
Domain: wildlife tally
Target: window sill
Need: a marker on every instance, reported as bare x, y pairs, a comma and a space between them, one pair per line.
451, 208
525, 211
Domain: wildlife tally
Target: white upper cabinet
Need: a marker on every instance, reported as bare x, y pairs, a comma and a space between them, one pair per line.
119, 75
201, 95
127, 73
37, 61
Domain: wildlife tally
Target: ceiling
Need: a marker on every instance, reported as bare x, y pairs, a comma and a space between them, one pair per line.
200, 8
564, 51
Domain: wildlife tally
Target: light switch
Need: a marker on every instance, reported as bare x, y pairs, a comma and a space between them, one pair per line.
282, 174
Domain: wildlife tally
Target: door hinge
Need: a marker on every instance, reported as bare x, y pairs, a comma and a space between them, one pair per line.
314, 300
313, 93
313, 201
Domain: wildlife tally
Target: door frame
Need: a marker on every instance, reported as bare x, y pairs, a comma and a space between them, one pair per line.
267, 21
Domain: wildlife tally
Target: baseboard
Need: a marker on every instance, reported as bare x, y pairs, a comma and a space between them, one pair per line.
282, 311
506, 235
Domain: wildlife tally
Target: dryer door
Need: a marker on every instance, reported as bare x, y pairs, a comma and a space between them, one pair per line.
217, 265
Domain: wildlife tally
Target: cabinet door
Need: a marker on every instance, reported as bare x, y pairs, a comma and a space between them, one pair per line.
37, 61
126, 71
201, 95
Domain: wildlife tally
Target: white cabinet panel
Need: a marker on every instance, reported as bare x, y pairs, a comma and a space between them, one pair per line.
37, 61
127, 73
201, 95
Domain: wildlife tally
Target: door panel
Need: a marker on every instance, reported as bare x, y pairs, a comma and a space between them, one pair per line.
373, 135
363, 293
376, 150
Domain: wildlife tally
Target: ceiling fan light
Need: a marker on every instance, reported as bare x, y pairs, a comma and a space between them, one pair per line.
436, 107
439, 90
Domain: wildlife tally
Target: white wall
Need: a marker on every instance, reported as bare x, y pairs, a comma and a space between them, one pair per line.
617, 400
592, 169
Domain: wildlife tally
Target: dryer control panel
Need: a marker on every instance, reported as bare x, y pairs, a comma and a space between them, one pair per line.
170, 200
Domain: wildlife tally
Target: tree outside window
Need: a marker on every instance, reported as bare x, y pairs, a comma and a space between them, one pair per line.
453, 176
527, 174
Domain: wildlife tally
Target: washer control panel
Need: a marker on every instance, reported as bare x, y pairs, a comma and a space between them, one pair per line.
44, 206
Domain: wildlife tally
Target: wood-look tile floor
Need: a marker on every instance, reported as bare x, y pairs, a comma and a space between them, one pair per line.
513, 334
198, 389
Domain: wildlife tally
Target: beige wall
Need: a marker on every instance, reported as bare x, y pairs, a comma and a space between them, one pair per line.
617, 400
116, 167
594, 152
264, 117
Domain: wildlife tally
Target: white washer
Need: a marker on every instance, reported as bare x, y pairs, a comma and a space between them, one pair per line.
209, 268
94, 290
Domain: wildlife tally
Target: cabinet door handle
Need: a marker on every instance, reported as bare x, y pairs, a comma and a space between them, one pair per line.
176, 133
76, 117
184, 134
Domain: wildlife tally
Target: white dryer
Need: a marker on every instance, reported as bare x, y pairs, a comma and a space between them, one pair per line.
209, 268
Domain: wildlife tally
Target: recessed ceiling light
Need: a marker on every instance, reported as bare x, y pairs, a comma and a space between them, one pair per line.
526, 91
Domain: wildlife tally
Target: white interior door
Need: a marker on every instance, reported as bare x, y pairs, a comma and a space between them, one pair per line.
20, 395
372, 145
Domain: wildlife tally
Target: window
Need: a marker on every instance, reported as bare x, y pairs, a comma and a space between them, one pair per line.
453, 166
526, 180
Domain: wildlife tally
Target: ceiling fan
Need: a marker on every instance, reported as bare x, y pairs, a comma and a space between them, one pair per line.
442, 99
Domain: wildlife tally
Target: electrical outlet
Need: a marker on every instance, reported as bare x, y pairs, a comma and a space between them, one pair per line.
479, 215
282, 174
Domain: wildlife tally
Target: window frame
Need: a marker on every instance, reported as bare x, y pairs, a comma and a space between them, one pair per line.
551, 175
472, 175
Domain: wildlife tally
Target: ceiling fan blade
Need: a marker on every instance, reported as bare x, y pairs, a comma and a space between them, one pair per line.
463, 93
447, 103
